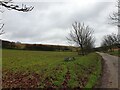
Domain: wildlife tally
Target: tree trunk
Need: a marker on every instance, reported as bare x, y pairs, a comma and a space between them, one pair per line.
82, 51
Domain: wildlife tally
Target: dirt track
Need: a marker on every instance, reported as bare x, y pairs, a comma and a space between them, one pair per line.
110, 71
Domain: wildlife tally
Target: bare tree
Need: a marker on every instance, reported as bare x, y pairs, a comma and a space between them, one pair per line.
115, 17
110, 41
82, 36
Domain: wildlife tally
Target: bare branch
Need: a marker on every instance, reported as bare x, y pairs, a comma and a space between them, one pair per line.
1, 29
24, 8
115, 17
9, 5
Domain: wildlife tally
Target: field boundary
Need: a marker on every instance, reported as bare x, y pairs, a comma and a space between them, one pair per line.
99, 81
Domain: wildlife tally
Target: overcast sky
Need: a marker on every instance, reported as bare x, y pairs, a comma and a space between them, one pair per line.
50, 21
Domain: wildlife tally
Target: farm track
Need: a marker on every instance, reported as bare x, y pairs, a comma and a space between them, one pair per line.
110, 71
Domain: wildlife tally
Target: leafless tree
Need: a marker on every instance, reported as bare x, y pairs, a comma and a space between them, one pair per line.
110, 41
82, 36
115, 17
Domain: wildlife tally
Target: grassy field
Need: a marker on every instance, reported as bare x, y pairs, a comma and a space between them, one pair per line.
45, 69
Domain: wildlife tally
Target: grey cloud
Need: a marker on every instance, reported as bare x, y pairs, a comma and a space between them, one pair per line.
51, 22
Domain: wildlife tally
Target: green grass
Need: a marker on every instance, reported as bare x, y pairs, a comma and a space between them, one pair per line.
116, 53
51, 64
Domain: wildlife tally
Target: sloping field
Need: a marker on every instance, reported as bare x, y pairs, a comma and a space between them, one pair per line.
47, 69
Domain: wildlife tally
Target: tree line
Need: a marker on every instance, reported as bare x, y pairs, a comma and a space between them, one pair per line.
35, 47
